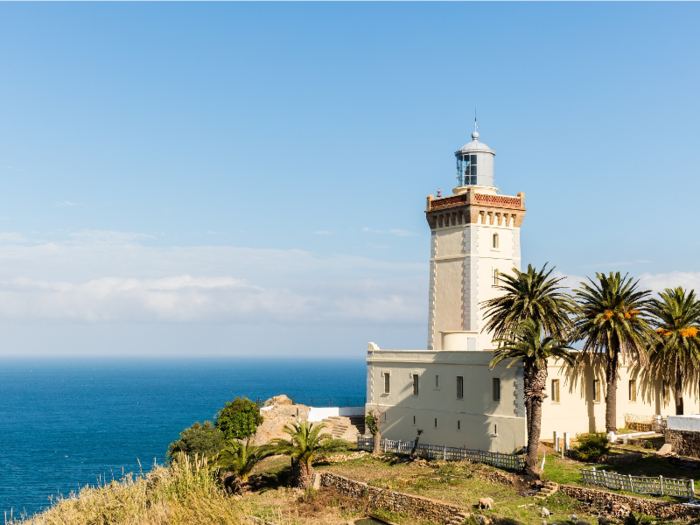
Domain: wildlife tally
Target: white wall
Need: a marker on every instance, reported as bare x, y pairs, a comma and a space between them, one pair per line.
683, 423
475, 421
321, 413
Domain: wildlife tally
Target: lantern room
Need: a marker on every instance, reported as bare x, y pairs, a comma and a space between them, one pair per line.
475, 164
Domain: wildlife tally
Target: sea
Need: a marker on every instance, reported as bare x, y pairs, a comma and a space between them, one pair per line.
67, 423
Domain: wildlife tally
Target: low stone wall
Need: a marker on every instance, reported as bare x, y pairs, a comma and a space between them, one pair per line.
417, 506
620, 505
684, 442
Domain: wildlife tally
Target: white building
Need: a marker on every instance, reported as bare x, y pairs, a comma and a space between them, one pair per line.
448, 390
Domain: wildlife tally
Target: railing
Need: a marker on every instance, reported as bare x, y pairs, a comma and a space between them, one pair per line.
497, 459
683, 488
320, 401
498, 200
645, 423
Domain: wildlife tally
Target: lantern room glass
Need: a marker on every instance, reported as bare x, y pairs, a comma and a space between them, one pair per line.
467, 167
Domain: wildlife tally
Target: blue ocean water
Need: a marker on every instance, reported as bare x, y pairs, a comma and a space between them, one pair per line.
65, 423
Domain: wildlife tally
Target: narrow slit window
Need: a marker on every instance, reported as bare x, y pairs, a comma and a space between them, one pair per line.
495, 241
459, 425
665, 392
460, 387
437, 381
415, 384
633, 390
495, 429
596, 390
555, 391
436, 424
414, 420
387, 382
496, 386
496, 278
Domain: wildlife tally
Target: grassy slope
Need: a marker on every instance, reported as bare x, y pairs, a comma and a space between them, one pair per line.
568, 471
180, 495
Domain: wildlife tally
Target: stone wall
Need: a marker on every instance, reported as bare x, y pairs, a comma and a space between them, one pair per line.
417, 506
684, 442
620, 505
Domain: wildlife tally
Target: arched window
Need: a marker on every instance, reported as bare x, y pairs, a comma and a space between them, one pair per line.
495, 278
495, 240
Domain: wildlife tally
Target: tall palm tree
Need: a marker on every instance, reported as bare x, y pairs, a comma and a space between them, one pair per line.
675, 354
236, 461
528, 344
612, 322
306, 443
535, 295
529, 295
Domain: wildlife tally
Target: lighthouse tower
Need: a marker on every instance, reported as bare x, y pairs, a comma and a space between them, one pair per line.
475, 238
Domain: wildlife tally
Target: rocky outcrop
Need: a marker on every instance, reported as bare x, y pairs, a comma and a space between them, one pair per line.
278, 412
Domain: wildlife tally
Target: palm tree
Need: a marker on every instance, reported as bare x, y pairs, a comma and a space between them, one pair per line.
236, 461
612, 322
675, 354
529, 295
528, 344
535, 295
306, 443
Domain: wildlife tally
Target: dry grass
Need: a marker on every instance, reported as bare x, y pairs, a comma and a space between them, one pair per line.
183, 494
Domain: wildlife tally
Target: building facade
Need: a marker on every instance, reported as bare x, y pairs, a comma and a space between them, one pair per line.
448, 390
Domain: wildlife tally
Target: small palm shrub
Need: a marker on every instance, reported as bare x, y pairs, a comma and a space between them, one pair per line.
592, 447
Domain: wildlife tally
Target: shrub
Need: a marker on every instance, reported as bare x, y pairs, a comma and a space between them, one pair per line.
239, 419
592, 447
201, 440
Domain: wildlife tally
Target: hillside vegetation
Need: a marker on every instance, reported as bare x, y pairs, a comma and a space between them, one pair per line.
185, 493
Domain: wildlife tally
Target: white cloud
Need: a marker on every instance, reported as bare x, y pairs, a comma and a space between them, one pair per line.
322, 232
13, 238
108, 236
656, 282
66, 203
107, 276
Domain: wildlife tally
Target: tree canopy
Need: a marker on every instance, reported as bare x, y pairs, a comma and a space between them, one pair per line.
239, 419
203, 440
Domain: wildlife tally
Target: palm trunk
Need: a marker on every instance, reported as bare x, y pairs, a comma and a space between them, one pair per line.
533, 438
305, 476
611, 393
678, 391
536, 384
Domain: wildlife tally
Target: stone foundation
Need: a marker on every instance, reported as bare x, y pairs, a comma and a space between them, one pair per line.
684, 442
417, 506
620, 505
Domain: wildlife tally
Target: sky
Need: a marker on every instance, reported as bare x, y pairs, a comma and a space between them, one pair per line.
249, 179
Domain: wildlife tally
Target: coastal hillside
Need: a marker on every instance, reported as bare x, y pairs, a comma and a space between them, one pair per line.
182, 494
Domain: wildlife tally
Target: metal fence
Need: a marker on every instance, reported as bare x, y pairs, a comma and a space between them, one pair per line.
507, 461
337, 401
683, 488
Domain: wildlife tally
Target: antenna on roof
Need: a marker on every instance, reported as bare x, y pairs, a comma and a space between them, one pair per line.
475, 124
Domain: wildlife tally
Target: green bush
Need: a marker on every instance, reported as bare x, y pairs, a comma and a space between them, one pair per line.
592, 447
203, 440
239, 419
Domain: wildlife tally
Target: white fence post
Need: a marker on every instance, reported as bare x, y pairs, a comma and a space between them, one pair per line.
661, 482
567, 442
556, 441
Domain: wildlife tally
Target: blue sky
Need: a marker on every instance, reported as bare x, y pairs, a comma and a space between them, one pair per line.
228, 179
